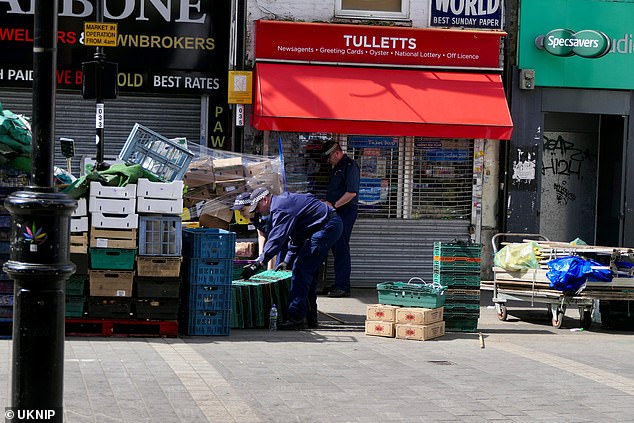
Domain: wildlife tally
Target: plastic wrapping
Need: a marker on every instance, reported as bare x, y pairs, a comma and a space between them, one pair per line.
517, 256
569, 274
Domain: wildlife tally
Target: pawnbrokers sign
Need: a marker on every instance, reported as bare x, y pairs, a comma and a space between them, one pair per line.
178, 46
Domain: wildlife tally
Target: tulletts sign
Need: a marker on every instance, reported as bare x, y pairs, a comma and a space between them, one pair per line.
565, 42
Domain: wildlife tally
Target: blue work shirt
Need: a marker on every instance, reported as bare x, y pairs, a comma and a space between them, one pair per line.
294, 217
344, 178
262, 223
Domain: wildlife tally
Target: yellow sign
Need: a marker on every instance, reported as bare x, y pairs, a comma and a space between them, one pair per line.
240, 89
99, 34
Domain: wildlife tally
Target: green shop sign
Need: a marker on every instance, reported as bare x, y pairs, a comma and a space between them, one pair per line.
565, 42
578, 44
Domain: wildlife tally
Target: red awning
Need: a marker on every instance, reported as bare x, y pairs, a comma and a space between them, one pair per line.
371, 101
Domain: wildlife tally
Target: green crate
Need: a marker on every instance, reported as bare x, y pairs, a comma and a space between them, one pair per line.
461, 307
443, 249
75, 306
460, 279
112, 258
463, 295
75, 284
461, 323
237, 308
256, 307
472, 267
411, 294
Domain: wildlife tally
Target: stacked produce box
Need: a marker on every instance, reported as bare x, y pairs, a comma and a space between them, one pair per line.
157, 277
208, 268
457, 266
112, 250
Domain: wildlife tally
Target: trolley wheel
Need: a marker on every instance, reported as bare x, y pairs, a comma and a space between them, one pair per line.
502, 311
557, 319
586, 318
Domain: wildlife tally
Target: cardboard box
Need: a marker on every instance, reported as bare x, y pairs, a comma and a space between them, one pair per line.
230, 186
381, 312
208, 221
379, 328
257, 168
104, 191
200, 172
164, 190
228, 169
246, 250
420, 332
217, 209
111, 283
271, 181
418, 315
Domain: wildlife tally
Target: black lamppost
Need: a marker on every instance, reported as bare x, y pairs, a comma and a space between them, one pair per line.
40, 245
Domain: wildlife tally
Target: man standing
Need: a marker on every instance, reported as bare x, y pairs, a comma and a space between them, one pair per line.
343, 196
310, 227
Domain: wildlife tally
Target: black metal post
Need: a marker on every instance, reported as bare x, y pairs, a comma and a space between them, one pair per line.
40, 256
100, 109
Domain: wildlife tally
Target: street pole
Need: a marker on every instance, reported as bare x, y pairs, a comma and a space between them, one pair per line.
40, 254
100, 110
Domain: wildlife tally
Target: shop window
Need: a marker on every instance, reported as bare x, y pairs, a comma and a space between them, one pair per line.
376, 9
413, 179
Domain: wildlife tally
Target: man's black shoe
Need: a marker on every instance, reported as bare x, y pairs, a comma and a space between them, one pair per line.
292, 324
338, 293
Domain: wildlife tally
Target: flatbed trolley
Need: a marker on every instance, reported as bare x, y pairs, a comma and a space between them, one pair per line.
556, 302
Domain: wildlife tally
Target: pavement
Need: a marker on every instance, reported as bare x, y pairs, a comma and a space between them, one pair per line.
527, 371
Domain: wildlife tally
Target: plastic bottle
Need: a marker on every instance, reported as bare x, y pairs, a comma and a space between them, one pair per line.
273, 318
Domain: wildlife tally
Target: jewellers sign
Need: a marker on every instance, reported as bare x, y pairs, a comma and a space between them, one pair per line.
565, 42
481, 14
377, 45
177, 46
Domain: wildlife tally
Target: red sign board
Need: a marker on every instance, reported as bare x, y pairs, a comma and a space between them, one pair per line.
377, 45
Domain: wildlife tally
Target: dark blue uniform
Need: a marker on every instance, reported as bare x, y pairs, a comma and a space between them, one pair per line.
344, 178
310, 228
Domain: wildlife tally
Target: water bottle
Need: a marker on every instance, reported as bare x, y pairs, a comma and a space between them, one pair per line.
273, 318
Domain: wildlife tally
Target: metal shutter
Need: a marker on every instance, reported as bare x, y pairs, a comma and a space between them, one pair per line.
174, 116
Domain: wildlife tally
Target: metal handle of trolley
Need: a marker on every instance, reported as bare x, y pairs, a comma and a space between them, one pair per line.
524, 286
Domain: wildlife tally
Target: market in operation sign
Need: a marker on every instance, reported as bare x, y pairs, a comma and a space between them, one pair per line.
100, 34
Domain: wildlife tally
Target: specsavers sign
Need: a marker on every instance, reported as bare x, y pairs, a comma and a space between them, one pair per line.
582, 44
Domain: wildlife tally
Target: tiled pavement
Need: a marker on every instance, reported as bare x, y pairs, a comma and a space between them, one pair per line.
527, 372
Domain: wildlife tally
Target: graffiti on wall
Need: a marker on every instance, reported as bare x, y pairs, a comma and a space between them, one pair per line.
563, 195
563, 157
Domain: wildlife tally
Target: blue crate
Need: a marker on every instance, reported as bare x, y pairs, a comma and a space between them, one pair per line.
208, 271
162, 157
160, 236
206, 322
209, 297
209, 243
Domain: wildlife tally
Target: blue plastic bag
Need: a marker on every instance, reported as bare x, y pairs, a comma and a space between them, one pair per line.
568, 274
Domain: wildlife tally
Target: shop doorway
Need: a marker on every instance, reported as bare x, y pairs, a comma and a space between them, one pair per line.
582, 178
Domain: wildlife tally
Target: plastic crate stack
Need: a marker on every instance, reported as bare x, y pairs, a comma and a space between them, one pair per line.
112, 250
252, 299
157, 279
207, 269
6, 283
77, 283
457, 266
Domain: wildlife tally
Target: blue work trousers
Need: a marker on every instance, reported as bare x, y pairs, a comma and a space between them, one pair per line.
303, 295
341, 249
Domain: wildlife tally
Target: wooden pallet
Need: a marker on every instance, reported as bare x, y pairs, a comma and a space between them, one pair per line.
121, 327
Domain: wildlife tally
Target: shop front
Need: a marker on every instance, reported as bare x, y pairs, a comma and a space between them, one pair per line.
172, 64
572, 103
413, 107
